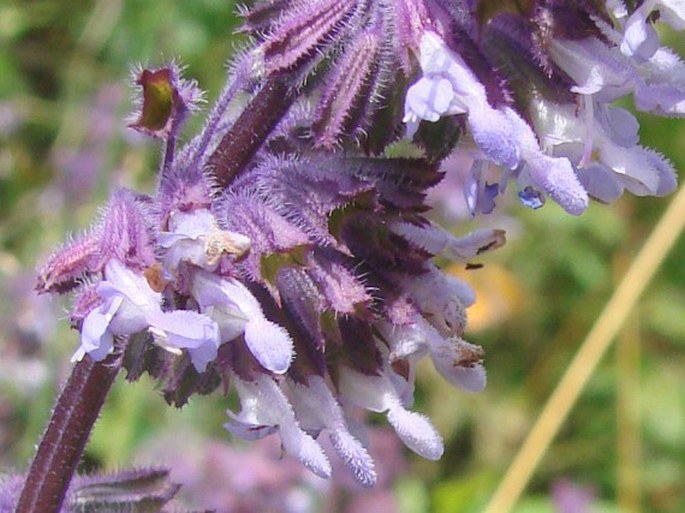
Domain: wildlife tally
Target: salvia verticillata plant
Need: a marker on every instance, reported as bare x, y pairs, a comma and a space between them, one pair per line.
286, 256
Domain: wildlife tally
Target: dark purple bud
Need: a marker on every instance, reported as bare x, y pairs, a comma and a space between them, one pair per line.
70, 264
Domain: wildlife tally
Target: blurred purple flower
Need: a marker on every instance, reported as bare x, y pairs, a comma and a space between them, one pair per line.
572, 498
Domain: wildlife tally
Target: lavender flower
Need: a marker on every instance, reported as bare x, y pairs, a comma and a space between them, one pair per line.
129, 306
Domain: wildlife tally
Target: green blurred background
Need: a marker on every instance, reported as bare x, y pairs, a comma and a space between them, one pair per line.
63, 145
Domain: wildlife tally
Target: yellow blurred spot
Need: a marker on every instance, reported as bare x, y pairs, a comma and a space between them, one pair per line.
498, 294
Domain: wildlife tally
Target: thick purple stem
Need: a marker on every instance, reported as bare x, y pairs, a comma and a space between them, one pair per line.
65, 439
250, 130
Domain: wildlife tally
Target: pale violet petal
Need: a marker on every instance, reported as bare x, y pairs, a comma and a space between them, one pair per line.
316, 401
134, 287
231, 322
270, 344
96, 339
247, 431
306, 449
355, 457
416, 431
236, 310
479, 195
494, 134
438, 241
600, 182
377, 393
193, 225
557, 178
367, 392
189, 330
263, 403
673, 13
596, 69
668, 178
661, 99
622, 126
470, 379
105, 347
459, 363
168, 239
636, 164
640, 40
429, 99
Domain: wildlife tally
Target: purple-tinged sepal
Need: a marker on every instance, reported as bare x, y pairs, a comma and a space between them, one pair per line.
128, 233
458, 361
70, 264
301, 32
350, 88
138, 490
124, 232
435, 240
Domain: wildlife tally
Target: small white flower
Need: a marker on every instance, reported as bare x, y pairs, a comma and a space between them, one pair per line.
264, 410
378, 393
237, 311
197, 239
129, 306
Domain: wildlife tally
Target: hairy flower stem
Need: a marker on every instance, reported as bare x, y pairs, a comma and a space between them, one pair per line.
65, 439
241, 142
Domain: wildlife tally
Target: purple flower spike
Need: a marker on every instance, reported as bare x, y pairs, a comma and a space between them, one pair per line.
286, 254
